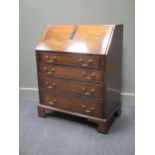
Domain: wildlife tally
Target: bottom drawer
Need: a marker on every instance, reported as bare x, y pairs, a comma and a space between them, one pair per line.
72, 103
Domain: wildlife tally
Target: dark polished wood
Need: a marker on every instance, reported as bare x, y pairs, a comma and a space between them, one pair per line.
71, 72
72, 103
79, 72
41, 112
72, 86
90, 61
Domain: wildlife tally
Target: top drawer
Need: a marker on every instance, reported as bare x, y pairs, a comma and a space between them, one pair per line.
92, 61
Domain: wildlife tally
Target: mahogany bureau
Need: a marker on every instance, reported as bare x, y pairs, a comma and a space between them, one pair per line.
79, 71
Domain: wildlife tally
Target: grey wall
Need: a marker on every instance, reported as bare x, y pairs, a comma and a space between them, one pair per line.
36, 14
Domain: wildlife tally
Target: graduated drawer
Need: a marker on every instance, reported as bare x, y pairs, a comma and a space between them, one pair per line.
71, 72
72, 103
70, 59
72, 86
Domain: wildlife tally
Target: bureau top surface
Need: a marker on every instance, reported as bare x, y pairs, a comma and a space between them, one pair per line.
87, 39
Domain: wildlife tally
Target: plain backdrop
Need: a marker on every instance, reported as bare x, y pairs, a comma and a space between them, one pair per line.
36, 14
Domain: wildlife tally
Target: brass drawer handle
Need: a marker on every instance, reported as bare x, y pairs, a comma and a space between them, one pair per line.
88, 110
51, 72
89, 77
92, 90
88, 93
49, 101
52, 102
83, 106
51, 60
51, 86
85, 64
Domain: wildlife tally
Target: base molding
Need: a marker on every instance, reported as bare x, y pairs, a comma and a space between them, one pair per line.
103, 124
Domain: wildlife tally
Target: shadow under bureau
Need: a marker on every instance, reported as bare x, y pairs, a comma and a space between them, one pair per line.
79, 71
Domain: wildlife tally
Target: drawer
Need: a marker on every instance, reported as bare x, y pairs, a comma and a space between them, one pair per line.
72, 103
71, 72
72, 86
70, 59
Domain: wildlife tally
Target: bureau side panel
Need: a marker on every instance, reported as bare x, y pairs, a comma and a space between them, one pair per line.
36, 53
114, 69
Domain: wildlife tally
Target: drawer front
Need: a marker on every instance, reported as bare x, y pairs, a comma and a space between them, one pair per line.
71, 72
70, 59
79, 88
72, 103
